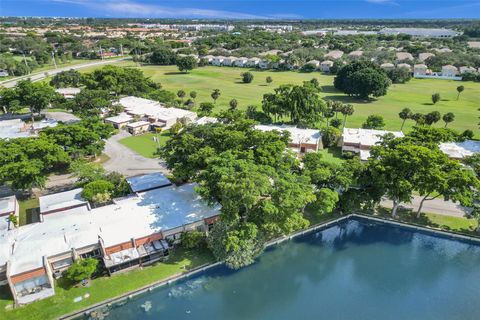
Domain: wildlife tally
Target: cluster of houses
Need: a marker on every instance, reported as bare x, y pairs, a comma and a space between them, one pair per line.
263, 63
141, 115
33, 255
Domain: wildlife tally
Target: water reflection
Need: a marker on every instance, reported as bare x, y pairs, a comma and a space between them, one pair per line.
354, 270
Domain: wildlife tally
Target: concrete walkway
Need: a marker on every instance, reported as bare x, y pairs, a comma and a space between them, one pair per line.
438, 206
41, 75
128, 162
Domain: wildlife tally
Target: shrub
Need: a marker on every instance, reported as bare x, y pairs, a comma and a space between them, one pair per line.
330, 137
81, 269
336, 123
193, 240
93, 189
374, 121
247, 77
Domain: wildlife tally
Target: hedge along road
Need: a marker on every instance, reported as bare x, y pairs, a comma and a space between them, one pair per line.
41, 75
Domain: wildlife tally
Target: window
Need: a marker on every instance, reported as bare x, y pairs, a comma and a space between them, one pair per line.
62, 263
91, 254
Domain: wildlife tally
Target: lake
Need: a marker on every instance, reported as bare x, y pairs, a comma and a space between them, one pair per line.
357, 269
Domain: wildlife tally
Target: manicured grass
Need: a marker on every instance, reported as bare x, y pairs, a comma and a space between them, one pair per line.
102, 288
415, 94
27, 207
333, 154
144, 144
444, 222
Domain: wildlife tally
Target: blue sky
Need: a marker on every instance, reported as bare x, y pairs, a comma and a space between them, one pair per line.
245, 9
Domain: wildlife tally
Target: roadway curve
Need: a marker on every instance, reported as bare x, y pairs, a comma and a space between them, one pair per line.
41, 75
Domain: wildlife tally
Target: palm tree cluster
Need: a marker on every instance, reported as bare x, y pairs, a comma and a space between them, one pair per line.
336, 107
421, 119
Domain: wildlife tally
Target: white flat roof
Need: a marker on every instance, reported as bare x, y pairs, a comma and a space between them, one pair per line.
121, 118
68, 91
133, 217
138, 124
148, 181
366, 137
297, 135
150, 108
7, 204
205, 120
61, 200
460, 150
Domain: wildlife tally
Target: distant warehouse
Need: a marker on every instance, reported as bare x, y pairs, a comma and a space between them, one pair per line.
421, 32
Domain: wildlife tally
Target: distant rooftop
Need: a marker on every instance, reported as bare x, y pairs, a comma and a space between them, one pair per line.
297, 135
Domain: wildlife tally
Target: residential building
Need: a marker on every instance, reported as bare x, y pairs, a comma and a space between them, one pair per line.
326, 65
253, 62
120, 121
449, 71
314, 63
387, 66
421, 32
355, 54
403, 56
133, 231
334, 54
241, 62
17, 128
68, 93
420, 69
460, 150
218, 61
424, 56
61, 202
360, 141
229, 61
8, 207
154, 111
465, 69
138, 127
264, 64
301, 140
404, 65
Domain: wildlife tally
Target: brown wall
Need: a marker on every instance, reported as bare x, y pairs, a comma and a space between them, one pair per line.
27, 275
211, 220
119, 247
150, 238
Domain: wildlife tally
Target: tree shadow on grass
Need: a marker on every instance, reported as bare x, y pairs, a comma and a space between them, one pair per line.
330, 89
348, 99
173, 73
427, 104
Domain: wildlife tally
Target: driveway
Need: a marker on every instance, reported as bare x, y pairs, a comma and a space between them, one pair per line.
41, 75
128, 162
438, 206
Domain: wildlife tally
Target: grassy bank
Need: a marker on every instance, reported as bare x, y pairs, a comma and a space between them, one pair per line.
102, 288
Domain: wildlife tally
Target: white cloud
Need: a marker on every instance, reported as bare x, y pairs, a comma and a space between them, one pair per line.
127, 8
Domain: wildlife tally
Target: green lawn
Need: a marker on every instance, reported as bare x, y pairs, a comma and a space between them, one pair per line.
102, 288
144, 144
444, 222
416, 94
27, 207
333, 155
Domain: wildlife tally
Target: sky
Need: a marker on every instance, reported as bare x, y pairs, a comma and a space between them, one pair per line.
244, 9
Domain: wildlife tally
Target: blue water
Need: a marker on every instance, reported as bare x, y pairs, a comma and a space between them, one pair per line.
355, 270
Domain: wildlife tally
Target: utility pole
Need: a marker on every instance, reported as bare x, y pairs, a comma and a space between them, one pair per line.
25, 61
101, 53
121, 49
53, 57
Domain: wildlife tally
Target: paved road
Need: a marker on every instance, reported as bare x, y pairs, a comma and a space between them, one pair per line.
127, 162
438, 206
40, 75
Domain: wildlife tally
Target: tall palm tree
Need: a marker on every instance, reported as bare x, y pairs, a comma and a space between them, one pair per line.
405, 114
347, 110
